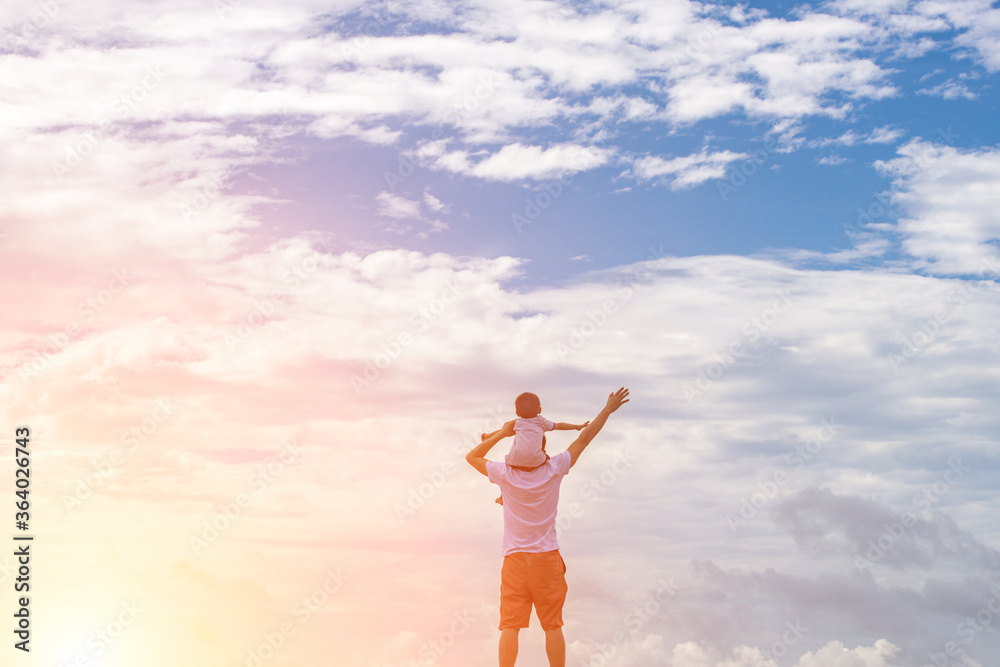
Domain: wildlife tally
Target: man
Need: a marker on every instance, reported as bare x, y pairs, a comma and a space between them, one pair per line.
533, 571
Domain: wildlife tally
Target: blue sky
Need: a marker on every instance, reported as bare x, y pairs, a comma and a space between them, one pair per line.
803, 192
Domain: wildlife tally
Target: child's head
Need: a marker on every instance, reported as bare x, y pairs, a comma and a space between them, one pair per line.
527, 405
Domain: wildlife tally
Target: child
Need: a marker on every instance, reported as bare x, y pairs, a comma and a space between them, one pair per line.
528, 450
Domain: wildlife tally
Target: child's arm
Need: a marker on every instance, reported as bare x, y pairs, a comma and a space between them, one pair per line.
477, 457
563, 426
487, 436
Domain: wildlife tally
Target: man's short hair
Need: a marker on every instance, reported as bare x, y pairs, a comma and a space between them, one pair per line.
527, 405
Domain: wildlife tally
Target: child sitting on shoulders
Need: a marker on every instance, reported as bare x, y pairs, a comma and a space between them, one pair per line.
528, 450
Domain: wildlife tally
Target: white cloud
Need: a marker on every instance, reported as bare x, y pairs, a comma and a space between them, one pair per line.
707, 96
832, 160
435, 204
949, 90
686, 171
515, 162
396, 206
826, 524
880, 135
835, 654
884, 135
499, 70
691, 654
336, 314
950, 198
433, 227
979, 22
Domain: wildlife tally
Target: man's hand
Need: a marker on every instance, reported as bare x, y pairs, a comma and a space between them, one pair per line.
616, 400
477, 457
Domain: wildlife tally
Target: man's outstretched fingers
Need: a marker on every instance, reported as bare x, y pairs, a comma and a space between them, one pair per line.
617, 399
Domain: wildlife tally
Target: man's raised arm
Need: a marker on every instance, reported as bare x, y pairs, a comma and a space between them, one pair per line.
615, 401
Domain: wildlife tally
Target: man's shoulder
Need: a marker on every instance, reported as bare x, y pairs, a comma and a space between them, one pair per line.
558, 464
495, 469
562, 461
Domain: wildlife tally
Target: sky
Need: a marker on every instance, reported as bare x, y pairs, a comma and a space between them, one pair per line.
269, 271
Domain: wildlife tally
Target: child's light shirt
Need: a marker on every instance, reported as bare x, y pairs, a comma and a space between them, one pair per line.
526, 451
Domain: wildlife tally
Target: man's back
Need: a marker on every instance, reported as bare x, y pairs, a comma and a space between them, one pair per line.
531, 498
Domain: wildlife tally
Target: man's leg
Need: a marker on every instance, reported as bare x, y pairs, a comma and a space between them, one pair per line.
508, 647
549, 594
515, 605
555, 648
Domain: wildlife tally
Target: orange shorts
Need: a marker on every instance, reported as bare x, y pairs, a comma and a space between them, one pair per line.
532, 578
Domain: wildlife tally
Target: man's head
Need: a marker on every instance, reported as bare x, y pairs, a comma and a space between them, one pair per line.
527, 405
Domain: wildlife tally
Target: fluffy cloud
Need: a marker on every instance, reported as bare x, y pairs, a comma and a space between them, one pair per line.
686, 171
979, 22
949, 90
395, 206
256, 346
493, 71
880, 135
949, 198
398, 208
835, 654
516, 162
824, 523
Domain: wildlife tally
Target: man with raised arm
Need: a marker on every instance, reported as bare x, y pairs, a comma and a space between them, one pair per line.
533, 571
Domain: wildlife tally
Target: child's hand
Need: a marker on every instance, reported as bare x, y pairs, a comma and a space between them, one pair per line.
582, 426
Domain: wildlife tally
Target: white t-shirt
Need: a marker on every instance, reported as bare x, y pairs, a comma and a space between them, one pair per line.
530, 499
527, 448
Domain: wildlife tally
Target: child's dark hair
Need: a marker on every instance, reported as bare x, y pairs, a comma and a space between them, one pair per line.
527, 405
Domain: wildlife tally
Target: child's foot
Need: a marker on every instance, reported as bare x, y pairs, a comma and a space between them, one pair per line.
499, 501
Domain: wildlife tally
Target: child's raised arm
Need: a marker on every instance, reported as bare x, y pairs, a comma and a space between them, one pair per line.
563, 426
